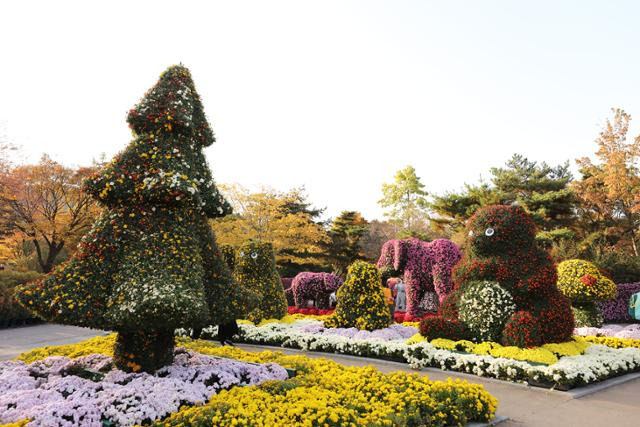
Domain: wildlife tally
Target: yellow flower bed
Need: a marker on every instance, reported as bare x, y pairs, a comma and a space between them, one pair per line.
323, 393
547, 354
613, 342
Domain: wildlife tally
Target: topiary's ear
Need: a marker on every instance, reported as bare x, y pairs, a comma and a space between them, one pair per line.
172, 105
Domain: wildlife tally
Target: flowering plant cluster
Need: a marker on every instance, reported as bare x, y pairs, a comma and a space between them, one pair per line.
256, 271
584, 285
501, 248
582, 282
575, 365
314, 286
493, 301
288, 292
547, 354
150, 263
617, 310
313, 311
426, 267
322, 393
361, 302
87, 391
616, 331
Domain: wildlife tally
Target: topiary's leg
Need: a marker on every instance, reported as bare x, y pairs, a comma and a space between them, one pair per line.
146, 351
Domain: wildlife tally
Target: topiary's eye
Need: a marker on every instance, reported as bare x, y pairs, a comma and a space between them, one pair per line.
470, 233
489, 232
241, 254
254, 255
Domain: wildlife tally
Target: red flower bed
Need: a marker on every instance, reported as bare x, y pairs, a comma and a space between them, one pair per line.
309, 310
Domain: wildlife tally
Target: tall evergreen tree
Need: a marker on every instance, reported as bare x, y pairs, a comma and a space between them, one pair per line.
346, 232
541, 190
150, 263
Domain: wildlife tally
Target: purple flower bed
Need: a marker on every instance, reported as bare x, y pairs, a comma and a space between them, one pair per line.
49, 392
617, 331
314, 286
393, 332
617, 310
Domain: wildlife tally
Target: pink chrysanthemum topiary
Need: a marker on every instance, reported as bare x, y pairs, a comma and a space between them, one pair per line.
314, 286
426, 267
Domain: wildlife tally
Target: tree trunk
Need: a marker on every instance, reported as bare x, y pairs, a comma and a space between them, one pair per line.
144, 350
53, 250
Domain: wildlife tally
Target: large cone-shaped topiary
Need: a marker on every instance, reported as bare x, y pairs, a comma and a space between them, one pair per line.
150, 263
501, 251
255, 270
361, 302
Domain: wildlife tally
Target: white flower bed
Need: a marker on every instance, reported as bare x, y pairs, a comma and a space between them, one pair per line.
596, 364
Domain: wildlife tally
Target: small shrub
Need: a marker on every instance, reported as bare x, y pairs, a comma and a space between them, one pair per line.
439, 327
361, 302
587, 315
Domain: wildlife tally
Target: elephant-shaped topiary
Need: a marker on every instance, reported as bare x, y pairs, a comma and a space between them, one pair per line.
501, 249
426, 267
314, 286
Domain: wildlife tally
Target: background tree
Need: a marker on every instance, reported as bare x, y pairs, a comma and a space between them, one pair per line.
346, 232
377, 233
543, 191
284, 219
609, 191
407, 202
48, 206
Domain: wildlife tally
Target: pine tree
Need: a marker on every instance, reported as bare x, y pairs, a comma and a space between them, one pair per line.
150, 263
345, 233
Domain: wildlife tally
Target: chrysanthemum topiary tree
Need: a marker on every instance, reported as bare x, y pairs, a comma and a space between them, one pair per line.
527, 309
255, 269
361, 302
583, 283
150, 264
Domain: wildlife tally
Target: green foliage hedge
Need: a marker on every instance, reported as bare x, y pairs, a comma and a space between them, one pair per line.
10, 311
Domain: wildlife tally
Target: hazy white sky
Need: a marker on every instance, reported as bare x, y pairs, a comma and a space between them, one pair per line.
333, 95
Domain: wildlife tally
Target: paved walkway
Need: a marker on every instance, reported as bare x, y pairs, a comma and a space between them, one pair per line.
618, 406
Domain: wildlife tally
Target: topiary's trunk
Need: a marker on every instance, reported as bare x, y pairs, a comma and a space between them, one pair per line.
147, 351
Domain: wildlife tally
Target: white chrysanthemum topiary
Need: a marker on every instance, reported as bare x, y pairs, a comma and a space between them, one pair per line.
485, 307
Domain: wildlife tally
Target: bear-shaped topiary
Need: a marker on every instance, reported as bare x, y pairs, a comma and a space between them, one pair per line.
314, 286
255, 269
361, 302
501, 248
584, 284
426, 267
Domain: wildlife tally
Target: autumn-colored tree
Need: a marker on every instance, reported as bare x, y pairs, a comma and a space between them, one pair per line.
407, 202
609, 191
346, 231
269, 216
48, 206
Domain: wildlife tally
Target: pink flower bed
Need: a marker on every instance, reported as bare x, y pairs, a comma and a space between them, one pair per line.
393, 332
617, 331
49, 392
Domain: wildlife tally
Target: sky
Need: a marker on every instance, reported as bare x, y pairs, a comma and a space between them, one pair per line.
333, 95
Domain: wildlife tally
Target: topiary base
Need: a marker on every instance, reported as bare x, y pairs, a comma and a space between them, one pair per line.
143, 351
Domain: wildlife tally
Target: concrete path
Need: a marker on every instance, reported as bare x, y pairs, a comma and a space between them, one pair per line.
618, 406
14, 341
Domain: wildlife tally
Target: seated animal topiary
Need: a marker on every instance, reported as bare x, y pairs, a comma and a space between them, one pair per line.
501, 251
314, 286
426, 267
